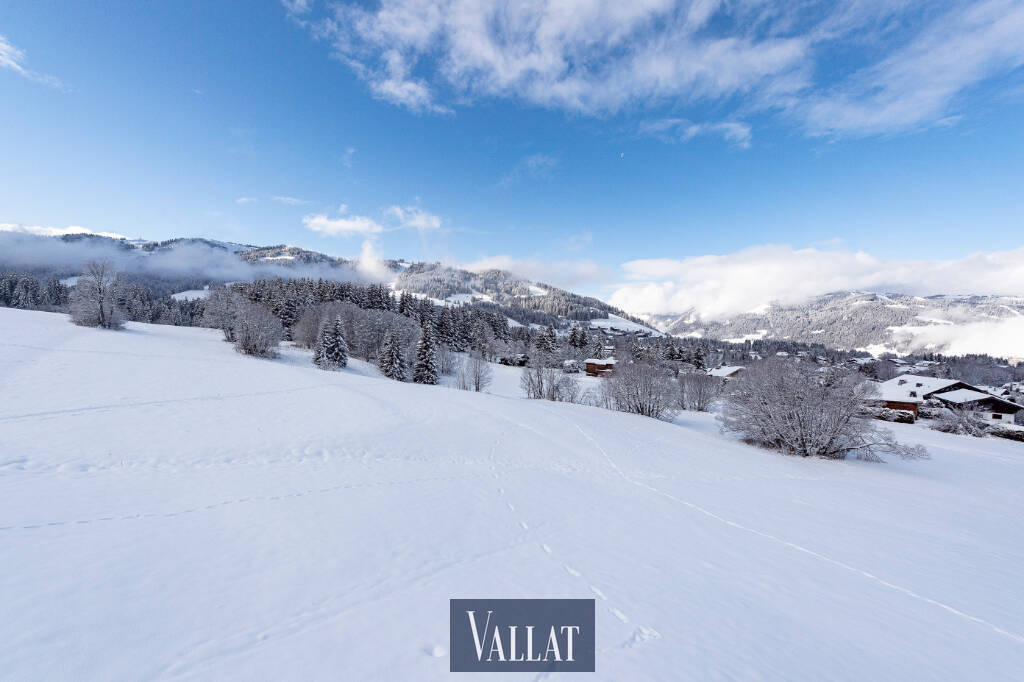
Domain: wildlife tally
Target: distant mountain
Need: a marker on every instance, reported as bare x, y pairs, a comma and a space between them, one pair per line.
198, 262
869, 321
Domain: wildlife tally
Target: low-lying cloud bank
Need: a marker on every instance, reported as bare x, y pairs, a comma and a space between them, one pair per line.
1000, 338
719, 286
21, 250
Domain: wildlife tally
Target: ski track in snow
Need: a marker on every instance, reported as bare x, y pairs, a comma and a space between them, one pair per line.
641, 634
792, 545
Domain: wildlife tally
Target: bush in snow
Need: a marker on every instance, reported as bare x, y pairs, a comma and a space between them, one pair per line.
257, 331
643, 388
94, 298
886, 414
1008, 433
331, 350
956, 420
797, 409
698, 391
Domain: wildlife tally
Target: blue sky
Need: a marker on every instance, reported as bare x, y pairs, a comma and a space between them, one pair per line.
604, 146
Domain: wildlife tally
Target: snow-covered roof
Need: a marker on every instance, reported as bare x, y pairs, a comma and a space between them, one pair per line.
725, 370
900, 388
962, 395
600, 361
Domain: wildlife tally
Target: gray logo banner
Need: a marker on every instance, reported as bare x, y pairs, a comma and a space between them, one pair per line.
525, 635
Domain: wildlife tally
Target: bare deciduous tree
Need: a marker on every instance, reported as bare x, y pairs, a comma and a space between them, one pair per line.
479, 371
643, 388
94, 298
797, 408
257, 331
548, 383
698, 391
222, 307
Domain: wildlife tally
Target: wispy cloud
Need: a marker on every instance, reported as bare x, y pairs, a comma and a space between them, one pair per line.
47, 231
345, 224
246, 200
532, 167
721, 285
414, 217
682, 130
348, 156
290, 201
914, 59
13, 59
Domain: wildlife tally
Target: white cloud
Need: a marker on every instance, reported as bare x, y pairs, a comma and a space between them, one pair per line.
246, 200
45, 231
682, 130
916, 58
565, 274
342, 226
290, 201
414, 217
13, 59
716, 286
346, 158
397, 218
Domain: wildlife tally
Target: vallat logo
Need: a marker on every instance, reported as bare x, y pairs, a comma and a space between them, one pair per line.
527, 635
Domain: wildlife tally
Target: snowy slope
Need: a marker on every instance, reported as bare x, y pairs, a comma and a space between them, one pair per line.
172, 510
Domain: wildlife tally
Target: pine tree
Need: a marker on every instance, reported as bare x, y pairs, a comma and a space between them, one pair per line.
425, 371
331, 351
391, 360
699, 361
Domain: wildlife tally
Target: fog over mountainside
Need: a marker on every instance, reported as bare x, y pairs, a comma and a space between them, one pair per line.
874, 322
188, 264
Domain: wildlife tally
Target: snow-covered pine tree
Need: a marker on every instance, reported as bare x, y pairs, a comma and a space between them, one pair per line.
425, 370
331, 351
699, 359
391, 360
339, 352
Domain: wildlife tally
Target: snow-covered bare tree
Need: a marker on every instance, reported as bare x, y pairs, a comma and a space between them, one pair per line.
643, 388
446, 360
94, 298
802, 409
257, 331
540, 382
479, 371
698, 391
221, 309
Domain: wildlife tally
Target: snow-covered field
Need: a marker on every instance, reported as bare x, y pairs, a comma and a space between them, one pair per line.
172, 510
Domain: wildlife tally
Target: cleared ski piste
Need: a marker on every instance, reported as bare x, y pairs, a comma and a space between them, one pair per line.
170, 509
